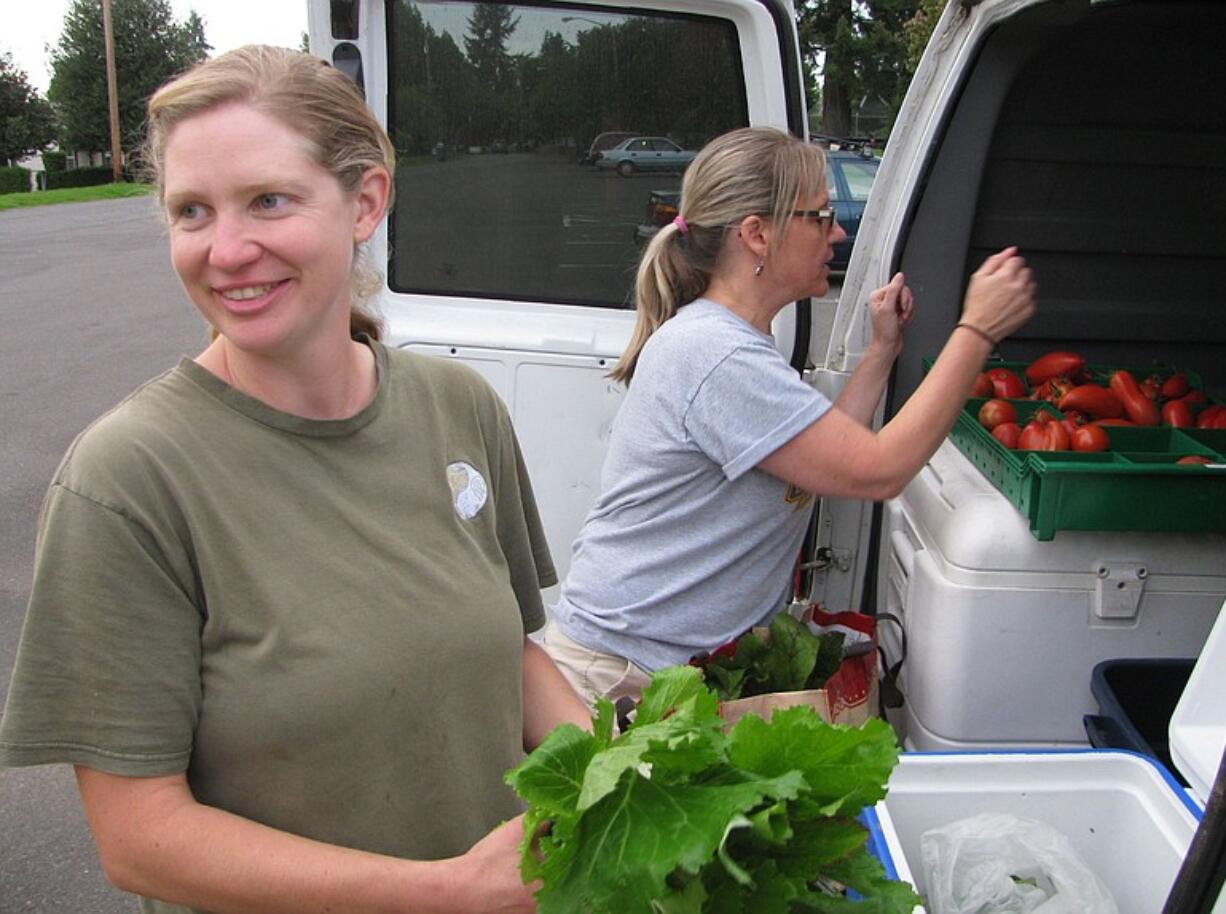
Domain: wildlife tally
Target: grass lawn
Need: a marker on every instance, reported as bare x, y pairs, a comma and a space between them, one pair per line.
74, 195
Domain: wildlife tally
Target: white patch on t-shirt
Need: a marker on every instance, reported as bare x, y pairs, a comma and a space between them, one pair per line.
468, 489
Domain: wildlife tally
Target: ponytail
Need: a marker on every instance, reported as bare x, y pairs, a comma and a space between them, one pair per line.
751, 171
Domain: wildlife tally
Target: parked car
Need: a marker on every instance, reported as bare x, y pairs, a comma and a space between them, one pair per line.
849, 176
646, 153
604, 141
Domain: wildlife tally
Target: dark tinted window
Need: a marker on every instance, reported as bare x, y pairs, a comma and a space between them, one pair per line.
495, 109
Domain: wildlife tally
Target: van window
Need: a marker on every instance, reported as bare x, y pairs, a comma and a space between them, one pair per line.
529, 138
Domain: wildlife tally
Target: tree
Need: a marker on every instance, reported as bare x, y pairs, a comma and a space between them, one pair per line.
150, 47
27, 122
489, 29
860, 48
918, 29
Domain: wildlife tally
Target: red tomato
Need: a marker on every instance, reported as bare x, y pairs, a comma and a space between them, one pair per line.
1193, 460
1175, 386
1055, 365
1116, 422
1090, 438
1052, 390
1194, 398
1151, 387
1007, 433
1043, 435
983, 386
1093, 399
1139, 407
1208, 416
1178, 414
1006, 383
994, 412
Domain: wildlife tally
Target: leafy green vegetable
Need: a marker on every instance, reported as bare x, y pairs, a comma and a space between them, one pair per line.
791, 659
676, 816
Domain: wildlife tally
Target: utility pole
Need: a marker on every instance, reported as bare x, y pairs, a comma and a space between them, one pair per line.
112, 92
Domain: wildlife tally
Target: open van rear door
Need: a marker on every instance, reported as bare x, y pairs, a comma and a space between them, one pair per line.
505, 248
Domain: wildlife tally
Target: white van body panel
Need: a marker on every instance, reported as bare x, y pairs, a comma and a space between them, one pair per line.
550, 361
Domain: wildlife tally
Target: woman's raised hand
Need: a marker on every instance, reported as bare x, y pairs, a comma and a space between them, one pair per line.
890, 309
1000, 296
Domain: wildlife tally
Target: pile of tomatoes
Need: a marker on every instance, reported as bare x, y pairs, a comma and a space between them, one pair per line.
1088, 401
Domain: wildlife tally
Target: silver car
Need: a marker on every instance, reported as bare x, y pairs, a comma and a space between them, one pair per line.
646, 153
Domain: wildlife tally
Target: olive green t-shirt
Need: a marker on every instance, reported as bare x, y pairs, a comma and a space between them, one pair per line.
321, 622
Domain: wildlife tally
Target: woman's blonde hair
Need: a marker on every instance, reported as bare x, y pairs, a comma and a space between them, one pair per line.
752, 171
305, 94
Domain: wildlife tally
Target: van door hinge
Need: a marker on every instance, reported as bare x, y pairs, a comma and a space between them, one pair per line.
1118, 589
827, 556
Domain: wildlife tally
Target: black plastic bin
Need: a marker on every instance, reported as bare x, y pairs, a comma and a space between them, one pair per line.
1136, 699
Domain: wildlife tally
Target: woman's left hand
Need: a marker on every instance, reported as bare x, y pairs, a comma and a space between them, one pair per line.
890, 309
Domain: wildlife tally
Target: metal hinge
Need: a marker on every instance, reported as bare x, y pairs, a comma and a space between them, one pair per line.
826, 556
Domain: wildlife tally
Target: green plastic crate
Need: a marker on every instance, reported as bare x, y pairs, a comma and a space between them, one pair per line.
1134, 486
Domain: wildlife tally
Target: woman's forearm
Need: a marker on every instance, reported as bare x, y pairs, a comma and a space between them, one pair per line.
156, 840
922, 423
548, 698
862, 393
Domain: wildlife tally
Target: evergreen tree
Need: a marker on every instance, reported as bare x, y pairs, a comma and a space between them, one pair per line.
150, 47
489, 29
861, 50
27, 122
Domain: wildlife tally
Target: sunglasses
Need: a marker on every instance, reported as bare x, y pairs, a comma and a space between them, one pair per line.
824, 217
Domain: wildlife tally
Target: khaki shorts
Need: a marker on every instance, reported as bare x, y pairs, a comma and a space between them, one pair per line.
593, 674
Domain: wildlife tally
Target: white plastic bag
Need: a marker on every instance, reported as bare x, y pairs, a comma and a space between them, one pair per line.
995, 863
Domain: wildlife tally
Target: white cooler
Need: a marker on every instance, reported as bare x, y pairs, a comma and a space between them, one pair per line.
1124, 815
1003, 631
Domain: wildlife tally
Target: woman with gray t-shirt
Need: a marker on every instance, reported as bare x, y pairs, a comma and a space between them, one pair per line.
720, 447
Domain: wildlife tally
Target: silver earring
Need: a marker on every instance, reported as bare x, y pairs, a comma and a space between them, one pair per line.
757, 271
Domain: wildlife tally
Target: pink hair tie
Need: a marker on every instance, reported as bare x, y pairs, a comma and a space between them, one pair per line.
680, 223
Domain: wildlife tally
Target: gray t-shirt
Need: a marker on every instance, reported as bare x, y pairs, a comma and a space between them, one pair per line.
689, 544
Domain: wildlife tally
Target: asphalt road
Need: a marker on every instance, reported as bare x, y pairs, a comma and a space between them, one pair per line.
90, 308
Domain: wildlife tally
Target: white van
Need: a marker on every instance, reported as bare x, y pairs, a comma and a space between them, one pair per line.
1090, 134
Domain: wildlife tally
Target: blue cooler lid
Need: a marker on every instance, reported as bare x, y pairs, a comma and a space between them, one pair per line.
1198, 726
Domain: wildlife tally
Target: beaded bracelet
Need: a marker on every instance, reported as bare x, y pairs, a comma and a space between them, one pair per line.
975, 330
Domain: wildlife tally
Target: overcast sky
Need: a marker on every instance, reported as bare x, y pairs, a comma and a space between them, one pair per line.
227, 24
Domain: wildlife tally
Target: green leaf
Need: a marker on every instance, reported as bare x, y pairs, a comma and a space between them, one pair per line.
552, 776
864, 874
829, 657
846, 767
727, 682
691, 898
793, 652
604, 721
628, 843
674, 816
676, 745
772, 824
790, 659
817, 842
675, 690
